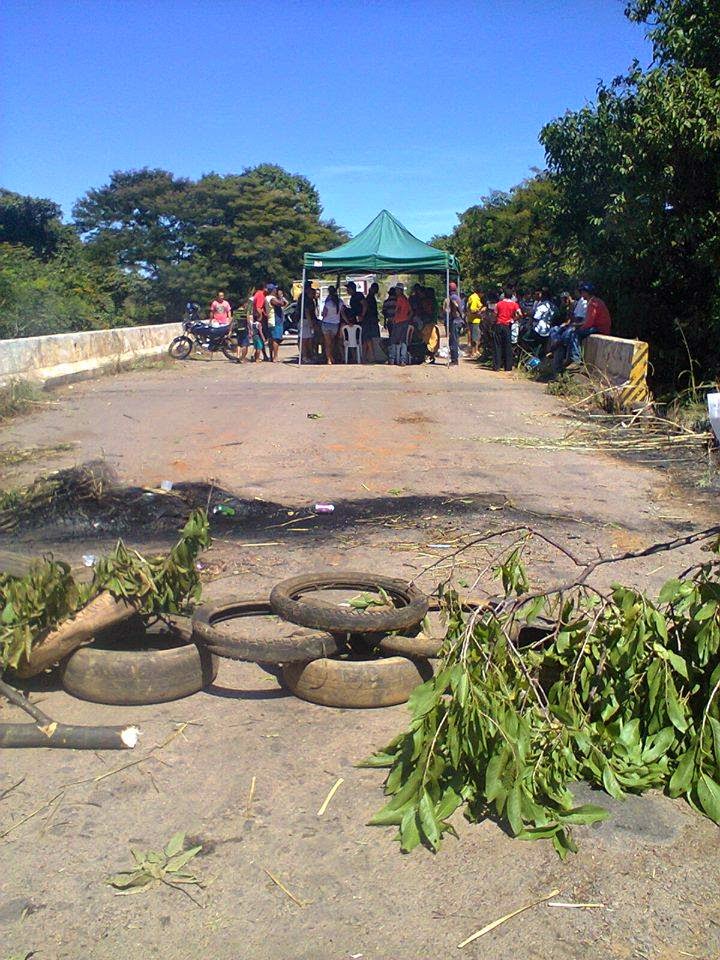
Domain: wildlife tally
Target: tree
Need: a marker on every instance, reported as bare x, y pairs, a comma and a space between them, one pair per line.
191, 238
513, 237
31, 221
638, 176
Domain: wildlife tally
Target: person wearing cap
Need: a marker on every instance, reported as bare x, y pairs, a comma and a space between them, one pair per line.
454, 308
592, 317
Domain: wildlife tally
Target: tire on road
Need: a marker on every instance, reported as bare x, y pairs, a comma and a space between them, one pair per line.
143, 667
288, 602
301, 645
334, 682
180, 348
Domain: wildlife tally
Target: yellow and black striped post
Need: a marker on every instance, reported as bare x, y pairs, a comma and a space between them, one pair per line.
635, 389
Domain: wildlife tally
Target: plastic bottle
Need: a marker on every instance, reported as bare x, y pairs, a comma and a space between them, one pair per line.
324, 507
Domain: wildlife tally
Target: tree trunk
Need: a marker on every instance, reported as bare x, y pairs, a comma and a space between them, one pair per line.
102, 612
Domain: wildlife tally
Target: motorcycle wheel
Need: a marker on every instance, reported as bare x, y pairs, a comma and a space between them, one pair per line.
229, 349
180, 348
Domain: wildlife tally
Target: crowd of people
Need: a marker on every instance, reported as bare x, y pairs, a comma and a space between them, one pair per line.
409, 319
499, 328
505, 328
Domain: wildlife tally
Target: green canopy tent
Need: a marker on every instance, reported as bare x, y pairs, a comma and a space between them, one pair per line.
384, 246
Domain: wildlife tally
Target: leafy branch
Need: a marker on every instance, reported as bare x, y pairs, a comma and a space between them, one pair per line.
620, 691
48, 594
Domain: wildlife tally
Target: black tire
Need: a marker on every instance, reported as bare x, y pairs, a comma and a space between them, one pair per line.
180, 348
301, 645
286, 599
229, 348
334, 682
155, 666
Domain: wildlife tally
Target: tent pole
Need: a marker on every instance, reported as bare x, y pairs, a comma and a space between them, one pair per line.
447, 304
302, 317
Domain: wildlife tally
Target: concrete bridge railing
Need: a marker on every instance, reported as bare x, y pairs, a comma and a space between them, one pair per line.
67, 356
622, 364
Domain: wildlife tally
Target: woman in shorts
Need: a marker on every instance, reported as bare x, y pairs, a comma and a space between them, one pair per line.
331, 323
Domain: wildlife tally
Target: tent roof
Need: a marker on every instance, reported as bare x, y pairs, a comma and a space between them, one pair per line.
384, 244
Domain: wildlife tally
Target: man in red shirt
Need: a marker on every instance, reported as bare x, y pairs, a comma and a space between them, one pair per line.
259, 315
506, 311
597, 320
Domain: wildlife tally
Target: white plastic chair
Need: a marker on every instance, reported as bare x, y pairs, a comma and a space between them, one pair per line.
352, 339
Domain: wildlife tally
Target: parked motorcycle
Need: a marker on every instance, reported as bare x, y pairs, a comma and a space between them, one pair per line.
200, 335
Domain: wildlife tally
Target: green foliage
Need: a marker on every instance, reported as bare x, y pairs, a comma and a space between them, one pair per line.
32, 222
638, 177
364, 600
153, 867
514, 238
48, 594
67, 292
192, 238
623, 693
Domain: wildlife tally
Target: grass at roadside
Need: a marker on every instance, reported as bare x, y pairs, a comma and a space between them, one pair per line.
18, 397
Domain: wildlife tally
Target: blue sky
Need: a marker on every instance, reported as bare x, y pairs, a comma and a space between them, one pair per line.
418, 106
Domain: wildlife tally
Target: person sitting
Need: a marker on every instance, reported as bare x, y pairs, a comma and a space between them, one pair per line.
218, 323
536, 331
592, 316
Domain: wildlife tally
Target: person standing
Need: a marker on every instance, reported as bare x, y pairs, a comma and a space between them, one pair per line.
259, 308
259, 342
371, 327
243, 329
453, 308
277, 326
475, 307
506, 312
331, 323
400, 328
388, 309
308, 324
220, 311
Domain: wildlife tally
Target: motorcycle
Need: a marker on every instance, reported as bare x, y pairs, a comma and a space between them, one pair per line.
200, 335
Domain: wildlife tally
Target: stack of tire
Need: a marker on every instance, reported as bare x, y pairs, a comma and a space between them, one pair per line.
335, 655
338, 656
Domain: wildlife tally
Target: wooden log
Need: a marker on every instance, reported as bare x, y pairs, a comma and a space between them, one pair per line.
67, 736
46, 732
104, 611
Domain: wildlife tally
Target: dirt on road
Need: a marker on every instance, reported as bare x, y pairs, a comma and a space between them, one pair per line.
404, 456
